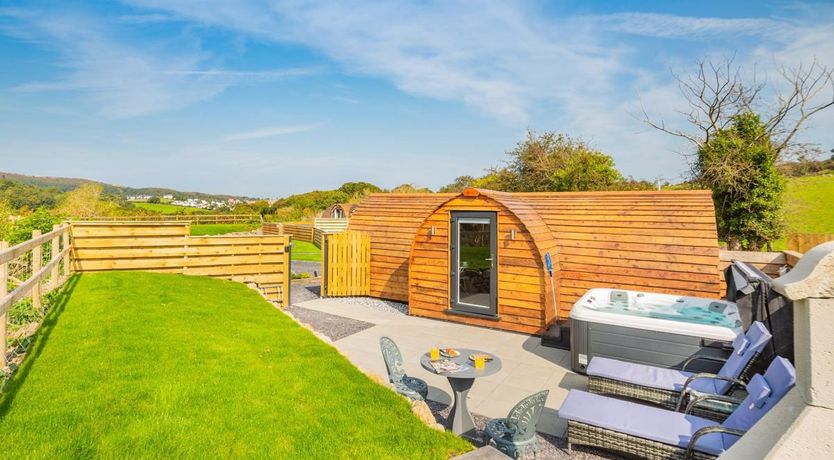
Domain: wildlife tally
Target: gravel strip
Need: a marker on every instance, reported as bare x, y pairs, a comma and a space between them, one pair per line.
303, 290
387, 306
334, 327
550, 447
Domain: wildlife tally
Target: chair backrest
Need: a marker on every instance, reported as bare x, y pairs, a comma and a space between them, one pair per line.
524, 416
393, 359
745, 347
762, 394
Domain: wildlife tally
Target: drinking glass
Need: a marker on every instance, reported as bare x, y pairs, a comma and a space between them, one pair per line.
434, 353
480, 361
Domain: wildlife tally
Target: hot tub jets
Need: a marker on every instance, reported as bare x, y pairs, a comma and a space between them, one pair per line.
649, 328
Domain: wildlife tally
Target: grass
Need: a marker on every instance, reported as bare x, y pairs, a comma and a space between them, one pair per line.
221, 229
143, 365
164, 208
302, 250
808, 206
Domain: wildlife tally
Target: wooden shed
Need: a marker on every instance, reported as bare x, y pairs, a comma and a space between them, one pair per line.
339, 211
478, 256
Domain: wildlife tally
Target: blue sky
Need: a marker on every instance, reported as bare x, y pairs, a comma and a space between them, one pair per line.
268, 98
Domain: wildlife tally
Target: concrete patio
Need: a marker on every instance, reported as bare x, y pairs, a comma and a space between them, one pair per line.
527, 366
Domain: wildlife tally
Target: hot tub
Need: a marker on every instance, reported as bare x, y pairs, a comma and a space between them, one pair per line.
658, 329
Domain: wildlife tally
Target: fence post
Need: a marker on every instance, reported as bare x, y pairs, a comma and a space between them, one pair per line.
37, 258
4, 280
285, 293
325, 256
66, 238
53, 277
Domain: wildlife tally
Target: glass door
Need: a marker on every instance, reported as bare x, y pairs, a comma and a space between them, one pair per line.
473, 263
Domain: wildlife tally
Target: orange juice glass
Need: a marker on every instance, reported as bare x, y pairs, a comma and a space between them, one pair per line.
434, 353
479, 362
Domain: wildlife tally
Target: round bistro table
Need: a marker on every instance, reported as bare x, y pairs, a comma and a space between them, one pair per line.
461, 381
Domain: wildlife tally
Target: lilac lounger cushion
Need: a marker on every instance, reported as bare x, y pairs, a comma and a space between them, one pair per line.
668, 427
744, 348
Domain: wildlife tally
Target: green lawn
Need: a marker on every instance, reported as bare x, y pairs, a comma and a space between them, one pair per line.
142, 365
302, 250
808, 206
164, 208
221, 229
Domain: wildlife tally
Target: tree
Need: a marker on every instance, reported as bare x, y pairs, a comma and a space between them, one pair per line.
410, 188
717, 92
354, 188
587, 170
460, 184
154, 199
553, 162
738, 164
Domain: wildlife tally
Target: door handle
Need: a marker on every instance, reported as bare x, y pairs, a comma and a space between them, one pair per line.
489, 259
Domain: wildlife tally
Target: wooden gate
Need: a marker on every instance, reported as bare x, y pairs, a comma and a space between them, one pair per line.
346, 264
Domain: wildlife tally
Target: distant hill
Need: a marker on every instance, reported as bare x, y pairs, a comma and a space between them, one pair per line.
69, 183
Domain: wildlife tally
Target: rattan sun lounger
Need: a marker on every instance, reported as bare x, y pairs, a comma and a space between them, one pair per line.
672, 388
654, 433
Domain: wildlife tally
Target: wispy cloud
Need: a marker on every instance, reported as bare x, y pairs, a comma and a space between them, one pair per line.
689, 27
272, 132
121, 77
499, 58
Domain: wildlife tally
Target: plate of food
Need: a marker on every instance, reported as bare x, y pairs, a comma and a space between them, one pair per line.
449, 353
475, 356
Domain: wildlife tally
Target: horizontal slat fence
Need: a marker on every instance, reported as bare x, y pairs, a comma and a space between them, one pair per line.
804, 242
191, 218
300, 231
331, 225
168, 247
346, 264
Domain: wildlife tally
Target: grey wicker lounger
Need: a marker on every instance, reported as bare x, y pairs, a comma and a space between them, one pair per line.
655, 433
672, 388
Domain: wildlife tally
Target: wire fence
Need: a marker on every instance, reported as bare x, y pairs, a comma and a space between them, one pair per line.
31, 276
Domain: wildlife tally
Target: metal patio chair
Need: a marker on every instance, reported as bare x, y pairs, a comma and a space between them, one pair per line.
412, 387
516, 434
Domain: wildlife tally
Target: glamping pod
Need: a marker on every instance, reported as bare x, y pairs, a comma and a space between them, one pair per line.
478, 256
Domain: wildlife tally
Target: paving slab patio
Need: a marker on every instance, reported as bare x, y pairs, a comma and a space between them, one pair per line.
527, 367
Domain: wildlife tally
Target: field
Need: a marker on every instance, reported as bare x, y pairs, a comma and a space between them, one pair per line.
302, 250
221, 229
809, 206
164, 208
149, 365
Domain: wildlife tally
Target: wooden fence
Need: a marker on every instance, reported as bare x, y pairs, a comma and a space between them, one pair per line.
803, 242
346, 264
306, 231
191, 218
331, 225
169, 247
35, 274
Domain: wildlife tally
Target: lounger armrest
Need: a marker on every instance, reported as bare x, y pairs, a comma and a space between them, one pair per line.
705, 375
704, 358
707, 430
704, 398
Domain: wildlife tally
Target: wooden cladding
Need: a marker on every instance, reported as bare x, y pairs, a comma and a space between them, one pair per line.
168, 247
660, 241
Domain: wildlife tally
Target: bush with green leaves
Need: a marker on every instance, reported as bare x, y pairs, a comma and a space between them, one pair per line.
739, 165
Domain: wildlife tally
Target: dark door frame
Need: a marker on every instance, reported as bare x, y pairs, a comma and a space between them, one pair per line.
455, 306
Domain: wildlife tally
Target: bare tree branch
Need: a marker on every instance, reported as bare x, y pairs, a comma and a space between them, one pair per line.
716, 92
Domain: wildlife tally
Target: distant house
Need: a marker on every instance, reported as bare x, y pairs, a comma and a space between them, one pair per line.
340, 211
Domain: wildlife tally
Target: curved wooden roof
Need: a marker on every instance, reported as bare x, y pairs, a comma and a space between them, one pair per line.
662, 241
